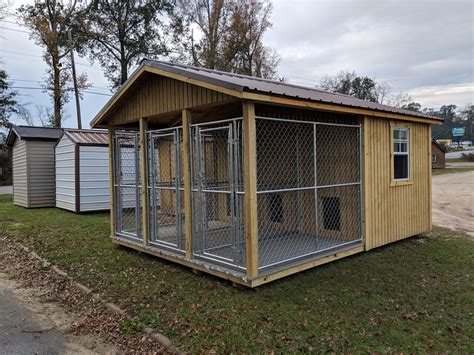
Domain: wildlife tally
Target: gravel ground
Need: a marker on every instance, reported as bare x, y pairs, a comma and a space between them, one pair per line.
453, 201
96, 328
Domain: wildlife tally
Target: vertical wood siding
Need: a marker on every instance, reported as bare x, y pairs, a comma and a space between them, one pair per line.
94, 178
156, 95
65, 174
395, 212
41, 174
20, 181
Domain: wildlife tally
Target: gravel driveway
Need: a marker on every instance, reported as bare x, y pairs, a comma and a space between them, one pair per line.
453, 201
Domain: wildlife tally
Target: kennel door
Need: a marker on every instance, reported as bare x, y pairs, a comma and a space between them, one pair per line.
127, 185
217, 227
166, 189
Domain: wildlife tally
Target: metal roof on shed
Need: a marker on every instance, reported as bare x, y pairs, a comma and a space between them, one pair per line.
33, 133
87, 136
241, 83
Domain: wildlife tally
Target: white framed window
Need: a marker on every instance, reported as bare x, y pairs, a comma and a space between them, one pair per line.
401, 153
433, 158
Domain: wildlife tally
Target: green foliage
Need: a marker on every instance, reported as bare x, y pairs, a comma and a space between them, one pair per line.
413, 296
121, 33
8, 103
349, 83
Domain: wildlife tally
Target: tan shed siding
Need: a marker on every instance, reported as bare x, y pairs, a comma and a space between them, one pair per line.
157, 95
20, 182
41, 174
395, 212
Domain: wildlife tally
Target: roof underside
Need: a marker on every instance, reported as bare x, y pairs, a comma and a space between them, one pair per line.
33, 133
241, 83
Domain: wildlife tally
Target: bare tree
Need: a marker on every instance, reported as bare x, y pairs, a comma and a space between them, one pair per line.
227, 35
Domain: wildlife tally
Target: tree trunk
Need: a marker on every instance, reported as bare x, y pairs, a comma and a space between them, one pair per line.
123, 66
56, 93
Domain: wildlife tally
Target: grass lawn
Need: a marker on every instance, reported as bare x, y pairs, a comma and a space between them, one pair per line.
450, 170
412, 296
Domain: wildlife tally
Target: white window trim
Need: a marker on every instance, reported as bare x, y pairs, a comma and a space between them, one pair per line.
407, 153
434, 159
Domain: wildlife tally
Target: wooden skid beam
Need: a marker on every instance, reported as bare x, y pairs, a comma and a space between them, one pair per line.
188, 231
255, 282
111, 132
250, 188
144, 179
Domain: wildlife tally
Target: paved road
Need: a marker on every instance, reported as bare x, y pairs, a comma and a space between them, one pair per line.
455, 155
460, 164
6, 190
453, 201
20, 331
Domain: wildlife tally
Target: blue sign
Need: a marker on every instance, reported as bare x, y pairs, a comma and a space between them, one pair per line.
458, 131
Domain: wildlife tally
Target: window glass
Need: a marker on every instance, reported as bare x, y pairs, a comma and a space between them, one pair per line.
401, 156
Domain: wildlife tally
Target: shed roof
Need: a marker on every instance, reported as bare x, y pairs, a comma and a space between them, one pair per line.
241, 84
440, 146
33, 133
87, 136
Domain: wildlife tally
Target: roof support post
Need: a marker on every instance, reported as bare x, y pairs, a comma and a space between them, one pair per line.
112, 177
250, 188
144, 179
186, 121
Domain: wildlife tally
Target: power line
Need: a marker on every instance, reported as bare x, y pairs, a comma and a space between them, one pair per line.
12, 29
38, 56
36, 88
40, 81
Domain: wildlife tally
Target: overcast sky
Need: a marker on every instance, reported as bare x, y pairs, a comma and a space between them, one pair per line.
424, 48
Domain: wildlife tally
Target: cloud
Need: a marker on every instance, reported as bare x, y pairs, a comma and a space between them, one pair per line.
409, 44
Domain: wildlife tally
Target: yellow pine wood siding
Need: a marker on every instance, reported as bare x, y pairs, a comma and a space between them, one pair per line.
395, 212
157, 95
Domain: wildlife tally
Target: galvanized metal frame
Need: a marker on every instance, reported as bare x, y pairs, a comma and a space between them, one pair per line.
234, 241
233, 233
175, 160
316, 187
131, 139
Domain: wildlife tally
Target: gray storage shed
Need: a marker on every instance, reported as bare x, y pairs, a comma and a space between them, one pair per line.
33, 165
82, 171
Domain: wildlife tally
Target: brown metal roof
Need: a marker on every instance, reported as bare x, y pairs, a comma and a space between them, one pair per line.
87, 136
242, 83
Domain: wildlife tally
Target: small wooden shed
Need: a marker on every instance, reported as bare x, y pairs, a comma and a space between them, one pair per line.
33, 165
252, 179
438, 155
82, 171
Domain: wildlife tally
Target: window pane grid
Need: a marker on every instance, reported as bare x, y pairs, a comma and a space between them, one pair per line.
400, 141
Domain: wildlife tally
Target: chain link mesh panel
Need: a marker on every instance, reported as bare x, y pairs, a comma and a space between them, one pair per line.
166, 188
308, 188
218, 192
127, 184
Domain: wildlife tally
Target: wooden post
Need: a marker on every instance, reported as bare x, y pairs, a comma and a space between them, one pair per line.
250, 188
144, 178
186, 120
111, 132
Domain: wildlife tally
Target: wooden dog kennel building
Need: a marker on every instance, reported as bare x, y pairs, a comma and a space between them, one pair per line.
253, 180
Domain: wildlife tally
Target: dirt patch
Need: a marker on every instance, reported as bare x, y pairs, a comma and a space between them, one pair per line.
453, 201
89, 327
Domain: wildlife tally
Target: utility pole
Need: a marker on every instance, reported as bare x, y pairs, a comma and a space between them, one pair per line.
74, 79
